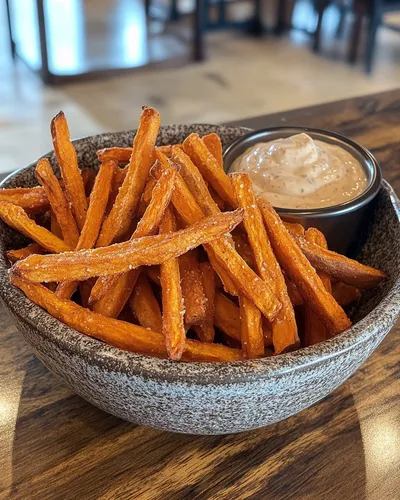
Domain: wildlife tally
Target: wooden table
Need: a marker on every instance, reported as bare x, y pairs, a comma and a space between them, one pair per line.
54, 445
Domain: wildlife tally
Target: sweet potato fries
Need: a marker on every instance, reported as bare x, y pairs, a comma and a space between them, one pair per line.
148, 239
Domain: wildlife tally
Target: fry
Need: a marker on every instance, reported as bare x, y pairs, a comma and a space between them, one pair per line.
251, 329
22, 253
315, 331
192, 288
88, 177
172, 301
195, 182
58, 202
146, 196
340, 267
144, 305
217, 198
227, 316
301, 272
121, 155
55, 226
110, 294
223, 254
209, 168
294, 228
17, 218
214, 145
128, 197
243, 247
94, 218
67, 159
295, 298
284, 327
118, 333
153, 272
345, 294
32, 200
208, 279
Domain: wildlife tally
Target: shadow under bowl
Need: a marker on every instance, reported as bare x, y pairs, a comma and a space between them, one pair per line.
209, 398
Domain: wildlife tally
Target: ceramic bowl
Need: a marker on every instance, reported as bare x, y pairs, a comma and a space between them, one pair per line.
210, 398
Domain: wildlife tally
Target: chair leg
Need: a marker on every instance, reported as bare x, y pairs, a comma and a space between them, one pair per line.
340, 26
199, 17
280, 25
257, 28
317, 33
9, 24
174, 12
147, 5
372, 30
355, 38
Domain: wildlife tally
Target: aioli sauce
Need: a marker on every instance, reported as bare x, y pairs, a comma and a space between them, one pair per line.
298, 172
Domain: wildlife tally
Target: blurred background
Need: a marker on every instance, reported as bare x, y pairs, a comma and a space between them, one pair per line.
205, 61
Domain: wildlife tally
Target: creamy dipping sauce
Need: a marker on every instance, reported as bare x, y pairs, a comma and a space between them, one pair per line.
299, 172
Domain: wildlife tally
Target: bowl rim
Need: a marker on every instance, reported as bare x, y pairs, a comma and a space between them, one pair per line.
341, 208
112, 359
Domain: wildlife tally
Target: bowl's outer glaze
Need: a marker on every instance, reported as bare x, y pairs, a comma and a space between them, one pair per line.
210, 398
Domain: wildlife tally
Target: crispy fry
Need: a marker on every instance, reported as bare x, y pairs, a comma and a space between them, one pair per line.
127, 200
67, 159
146, 196
118, 333
251, 329
284, 327
110, 294
118, 179
32, 200
314, 330
121, 257
222, 254
22, 253
121, 155
85, 287
89, 178
227, 319
209, 167
345, 294
295, 298
227, 316
193, 194
195, 182
144, 305
94, 218
172, 301
340, 267
208, 279
214, 145
192, 288
294, 228
243, 247
59, 205
301, 272
217, 198
55, 226
153, 272
16, 217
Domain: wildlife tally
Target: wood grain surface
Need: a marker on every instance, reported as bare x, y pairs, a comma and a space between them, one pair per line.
54, 445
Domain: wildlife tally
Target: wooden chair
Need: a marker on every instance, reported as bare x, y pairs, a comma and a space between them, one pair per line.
373, 10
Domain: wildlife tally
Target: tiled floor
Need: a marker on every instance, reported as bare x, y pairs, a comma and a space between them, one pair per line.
242, 76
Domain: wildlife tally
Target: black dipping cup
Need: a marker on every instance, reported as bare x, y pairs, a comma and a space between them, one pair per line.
341, 223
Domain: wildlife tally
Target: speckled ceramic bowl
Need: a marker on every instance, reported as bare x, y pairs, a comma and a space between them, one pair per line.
213, 398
